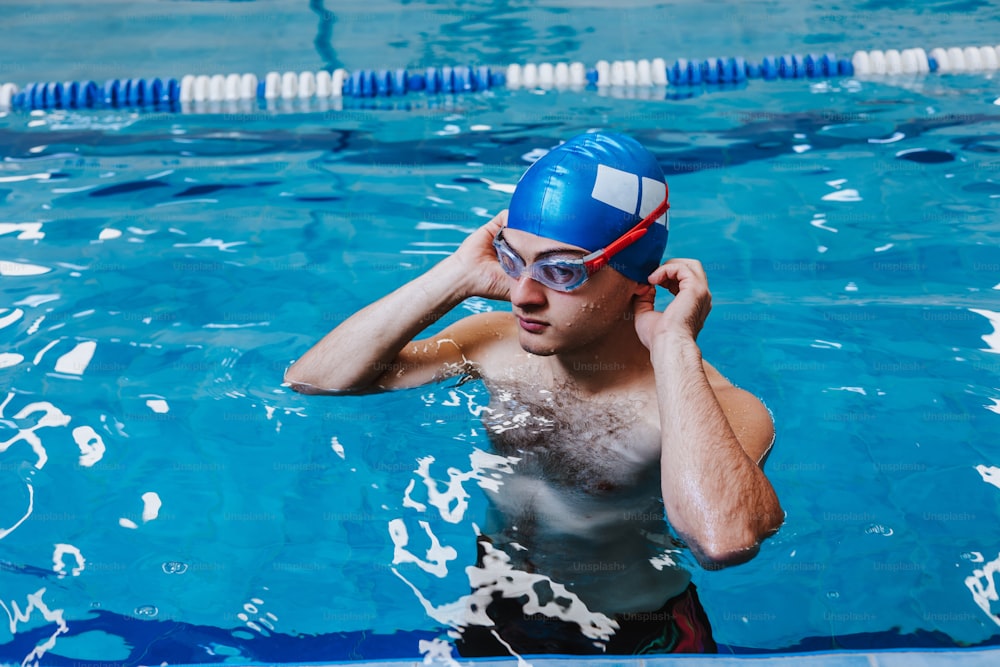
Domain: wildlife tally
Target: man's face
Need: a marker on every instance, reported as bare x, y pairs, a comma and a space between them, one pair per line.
551, 322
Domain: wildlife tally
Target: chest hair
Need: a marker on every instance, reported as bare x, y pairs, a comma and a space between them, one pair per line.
595, 445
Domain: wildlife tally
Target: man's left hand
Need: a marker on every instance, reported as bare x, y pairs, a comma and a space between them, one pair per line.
686, 314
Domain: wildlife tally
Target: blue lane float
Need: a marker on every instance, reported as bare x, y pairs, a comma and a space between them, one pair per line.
684, 74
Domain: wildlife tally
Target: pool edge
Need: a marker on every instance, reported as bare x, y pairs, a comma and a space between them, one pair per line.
974, 657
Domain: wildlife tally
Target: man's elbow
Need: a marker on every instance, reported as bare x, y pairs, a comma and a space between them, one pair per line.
719, 555
304, 388
739, 546
304, 383
301, 382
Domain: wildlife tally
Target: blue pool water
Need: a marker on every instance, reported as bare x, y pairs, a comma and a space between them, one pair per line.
166, 499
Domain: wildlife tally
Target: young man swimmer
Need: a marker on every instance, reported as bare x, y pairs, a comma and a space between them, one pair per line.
604, 403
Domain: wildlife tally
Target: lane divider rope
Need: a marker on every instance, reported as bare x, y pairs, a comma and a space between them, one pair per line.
172, 94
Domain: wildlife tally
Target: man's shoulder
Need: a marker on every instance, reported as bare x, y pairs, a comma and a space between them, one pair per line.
482, 333
488, 340
747, 415
487, 326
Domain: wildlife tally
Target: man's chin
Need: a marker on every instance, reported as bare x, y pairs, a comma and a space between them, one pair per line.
532, 345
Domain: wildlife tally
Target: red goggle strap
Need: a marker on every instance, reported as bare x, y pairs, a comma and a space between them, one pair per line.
629, 237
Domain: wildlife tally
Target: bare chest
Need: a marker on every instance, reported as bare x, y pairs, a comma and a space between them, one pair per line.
598, 446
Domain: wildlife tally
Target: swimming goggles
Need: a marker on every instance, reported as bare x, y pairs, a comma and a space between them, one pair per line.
565, 274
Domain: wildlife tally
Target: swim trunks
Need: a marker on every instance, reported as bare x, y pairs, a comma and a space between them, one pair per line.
679, 626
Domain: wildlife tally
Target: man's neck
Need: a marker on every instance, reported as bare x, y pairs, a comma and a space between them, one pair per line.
613, 361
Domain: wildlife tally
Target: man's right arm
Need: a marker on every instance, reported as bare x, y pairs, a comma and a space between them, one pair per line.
372, 350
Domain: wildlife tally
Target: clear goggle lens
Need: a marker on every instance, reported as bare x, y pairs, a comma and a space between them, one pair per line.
562, 274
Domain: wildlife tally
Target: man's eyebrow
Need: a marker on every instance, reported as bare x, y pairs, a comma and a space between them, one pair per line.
562, 251
576, 252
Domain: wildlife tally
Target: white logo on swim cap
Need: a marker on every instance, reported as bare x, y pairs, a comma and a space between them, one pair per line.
620, 189
653, 192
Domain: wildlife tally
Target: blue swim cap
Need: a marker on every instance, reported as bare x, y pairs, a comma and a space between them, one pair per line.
589, 191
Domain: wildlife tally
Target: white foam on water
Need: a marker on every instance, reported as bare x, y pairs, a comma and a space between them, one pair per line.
437, 651
506, 188
896, 136
14, 315
990, 474
408, 501
75, 361
25, 177
497, 575
337, 447
848, 195
453, 501
151, 505
30, 231
59, 565
9, 268
423, 225
91, 445
474, 408
211, 243
52, 416
35, 603
36, 300
992, 340
983, 587
820, 223
663, 560
41, 352
66, 191
8, 359
436, 558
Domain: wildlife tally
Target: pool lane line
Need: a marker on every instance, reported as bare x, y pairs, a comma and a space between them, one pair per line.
177, 94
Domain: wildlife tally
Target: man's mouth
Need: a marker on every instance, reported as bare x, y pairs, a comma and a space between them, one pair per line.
531, 325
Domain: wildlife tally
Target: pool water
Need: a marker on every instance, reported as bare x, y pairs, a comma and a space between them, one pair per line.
165, 498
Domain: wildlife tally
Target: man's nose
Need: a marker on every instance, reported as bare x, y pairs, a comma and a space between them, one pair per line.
526, 291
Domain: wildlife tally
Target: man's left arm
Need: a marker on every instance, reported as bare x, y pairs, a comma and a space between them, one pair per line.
713, 435
750, 420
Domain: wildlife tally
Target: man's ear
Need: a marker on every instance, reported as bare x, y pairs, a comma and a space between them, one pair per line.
642, 289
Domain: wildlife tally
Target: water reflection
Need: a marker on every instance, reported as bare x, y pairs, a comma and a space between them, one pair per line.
324, 35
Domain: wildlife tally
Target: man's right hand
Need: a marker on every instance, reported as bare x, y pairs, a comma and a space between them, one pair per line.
374, 349
483, 275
